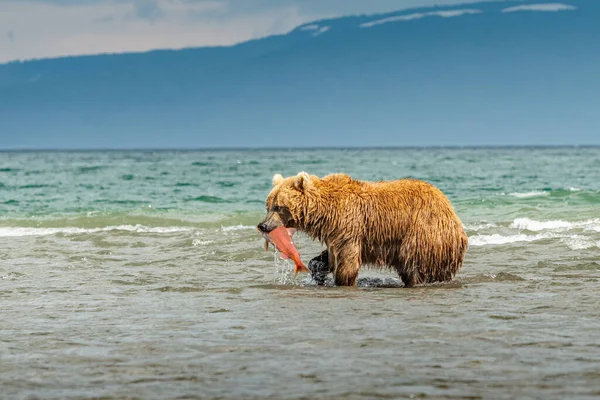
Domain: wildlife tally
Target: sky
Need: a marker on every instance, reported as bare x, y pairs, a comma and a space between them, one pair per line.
32, 29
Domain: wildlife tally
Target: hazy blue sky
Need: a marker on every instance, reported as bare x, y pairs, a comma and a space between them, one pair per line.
48, 28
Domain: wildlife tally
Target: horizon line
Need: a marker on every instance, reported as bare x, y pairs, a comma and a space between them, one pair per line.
290, 148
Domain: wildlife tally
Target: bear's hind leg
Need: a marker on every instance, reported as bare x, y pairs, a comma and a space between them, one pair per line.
407, 279
347, 264
410, 279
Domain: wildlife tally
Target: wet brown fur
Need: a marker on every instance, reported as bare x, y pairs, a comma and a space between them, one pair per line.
408, 225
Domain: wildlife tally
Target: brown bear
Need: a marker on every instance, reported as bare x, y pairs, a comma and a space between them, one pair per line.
408, 225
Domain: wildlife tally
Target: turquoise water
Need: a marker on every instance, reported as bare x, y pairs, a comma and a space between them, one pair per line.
141, 275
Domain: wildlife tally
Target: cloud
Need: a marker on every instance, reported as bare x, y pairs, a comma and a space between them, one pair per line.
51, 30
11, 36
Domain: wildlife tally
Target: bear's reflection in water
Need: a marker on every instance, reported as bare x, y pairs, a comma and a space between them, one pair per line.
320, 268
378, 282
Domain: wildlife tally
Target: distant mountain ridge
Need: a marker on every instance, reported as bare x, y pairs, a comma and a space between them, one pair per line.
493, 73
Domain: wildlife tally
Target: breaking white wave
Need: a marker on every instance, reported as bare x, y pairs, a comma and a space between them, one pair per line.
578, 242
30, 231
556, 225
198, 242
552, 229
541, 7
408, 17
480, 226
483, 240
574, 242
237, 228
536, 226
529, 194
22, 231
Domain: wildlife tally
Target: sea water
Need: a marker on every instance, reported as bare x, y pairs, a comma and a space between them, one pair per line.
142, 275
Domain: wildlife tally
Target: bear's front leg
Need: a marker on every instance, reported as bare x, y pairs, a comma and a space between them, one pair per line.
347, 264
320, 267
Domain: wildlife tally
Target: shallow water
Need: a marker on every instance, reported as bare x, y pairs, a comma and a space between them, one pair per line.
140, 275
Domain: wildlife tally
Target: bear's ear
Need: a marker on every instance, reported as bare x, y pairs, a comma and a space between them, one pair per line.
303, 181
277, 178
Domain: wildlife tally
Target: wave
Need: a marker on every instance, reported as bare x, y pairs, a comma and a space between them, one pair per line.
205, 163
148, 217
479, 226
24, 231
237, 228
493, 239
567, 232
209, 199
573, 242
91, 168
532, 225
576, 235
571, 192
555, 225
16, 231
35, 186
577, 242
151, 222
527, 195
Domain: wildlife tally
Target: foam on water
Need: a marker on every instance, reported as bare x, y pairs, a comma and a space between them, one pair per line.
557, 229
527, 195
479, 226
578, 242
496, 239
15, 231
574, 242
555, 225
237, 228
21, 231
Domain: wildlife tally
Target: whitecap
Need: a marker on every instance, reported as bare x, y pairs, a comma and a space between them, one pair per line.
237, 228
24, 231
536, 226
479, 226
555, 225
198, 242
529, 194
578, 242
494, 239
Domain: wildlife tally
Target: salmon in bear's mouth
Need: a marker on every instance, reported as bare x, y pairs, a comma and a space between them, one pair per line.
281, 237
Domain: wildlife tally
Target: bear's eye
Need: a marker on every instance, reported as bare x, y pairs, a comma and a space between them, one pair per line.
277, 209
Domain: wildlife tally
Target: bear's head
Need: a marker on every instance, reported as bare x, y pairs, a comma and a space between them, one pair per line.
288, 201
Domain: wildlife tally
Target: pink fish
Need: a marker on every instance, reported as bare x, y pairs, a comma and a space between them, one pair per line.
281, 237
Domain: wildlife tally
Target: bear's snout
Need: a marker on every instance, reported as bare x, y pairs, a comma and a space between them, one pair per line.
263, 227
270, 222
